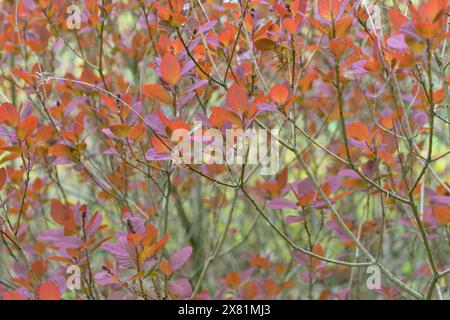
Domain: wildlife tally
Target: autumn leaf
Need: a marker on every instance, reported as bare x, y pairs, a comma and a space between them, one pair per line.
328, 9
264, 44
12, 295
337, 47
232, 279
290, 25
442, 214
170, 69
237, 98
427, 30
27, 127
157, 91
120, 130
250, 290
279, 94
9, 114
48, 291
358, 131
165, 267
179, 258
152, 249
317, 249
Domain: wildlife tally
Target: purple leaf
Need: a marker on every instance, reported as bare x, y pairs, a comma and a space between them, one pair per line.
179, 258
181, 287
397, 42
281, 203
420, 118
207, 26
152, 154
294, 219
441, 200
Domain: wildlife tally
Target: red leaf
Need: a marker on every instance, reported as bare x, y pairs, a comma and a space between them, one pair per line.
27, 127
432, 9
159, 145
237, 98
48, 291
279, 94
397, 18
170, 69
63, 215
12, 295
9, 114
109, 102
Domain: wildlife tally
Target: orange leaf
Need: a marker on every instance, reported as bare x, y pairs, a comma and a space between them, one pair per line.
60, 150
358, 131
432, 9
442, 214
137, 132
63, 215
165, 267
151, 234
427, 30
290, 25
237, 98
337, 47
170, 69
134, 238
157, 91
232, 279
260, 262
328, 9
279, 94
48, 291
159, 145
317, 249
9, 114
397, 18
306, 199
270, 287
26, 127
342, 26
219, 115
250, 291
150, 250
12, 295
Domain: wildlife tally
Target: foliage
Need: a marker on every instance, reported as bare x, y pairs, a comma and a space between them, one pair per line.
358, 89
